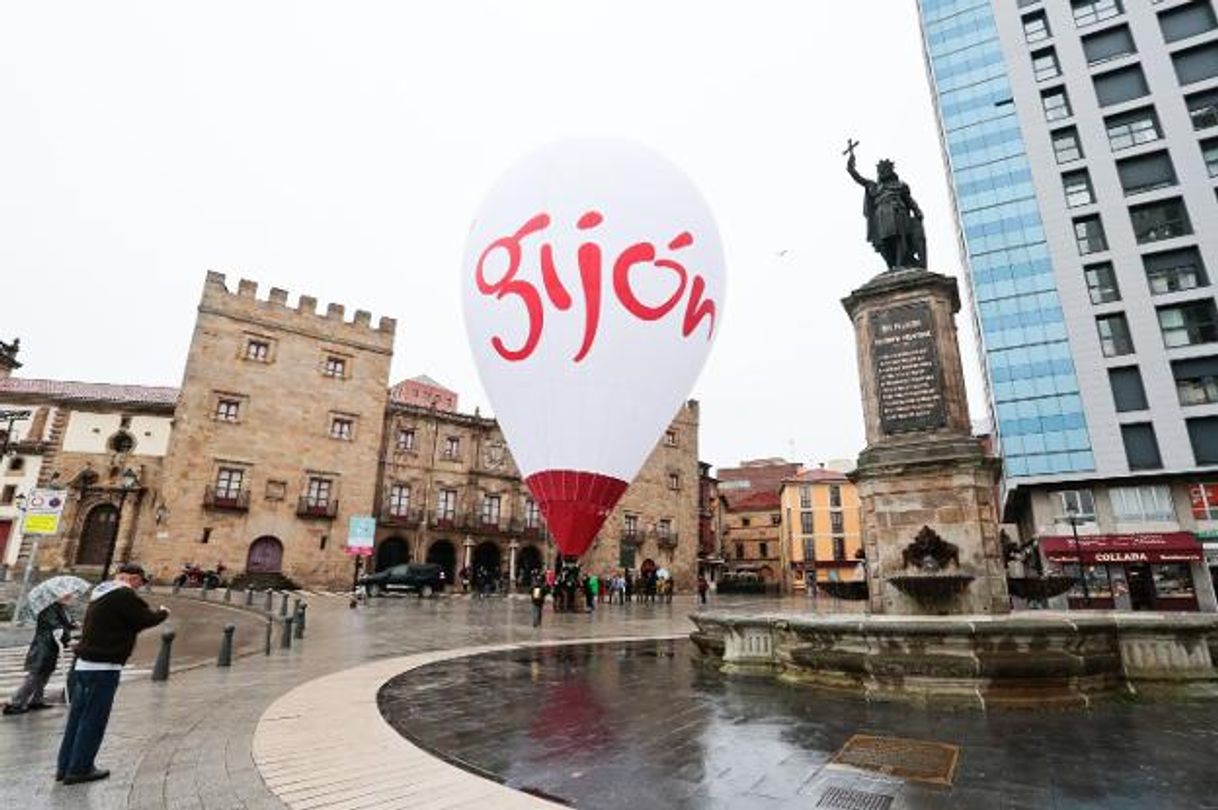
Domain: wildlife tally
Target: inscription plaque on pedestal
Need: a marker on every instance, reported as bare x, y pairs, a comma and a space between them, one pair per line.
905, 365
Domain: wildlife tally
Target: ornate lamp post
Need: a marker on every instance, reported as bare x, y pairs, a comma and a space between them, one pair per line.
128, 483
1072, 519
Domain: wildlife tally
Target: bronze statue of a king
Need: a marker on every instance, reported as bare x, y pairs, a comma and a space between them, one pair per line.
894, 221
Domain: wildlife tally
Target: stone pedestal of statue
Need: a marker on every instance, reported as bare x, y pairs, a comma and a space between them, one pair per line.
927, 486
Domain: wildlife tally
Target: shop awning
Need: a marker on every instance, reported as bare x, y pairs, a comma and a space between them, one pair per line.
1153, 547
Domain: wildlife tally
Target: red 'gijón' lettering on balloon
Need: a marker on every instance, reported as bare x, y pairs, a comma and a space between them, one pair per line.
638, 254
510, 285
697, 308
589, 256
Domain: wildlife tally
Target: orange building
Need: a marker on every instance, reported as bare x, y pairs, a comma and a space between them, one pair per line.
820, 527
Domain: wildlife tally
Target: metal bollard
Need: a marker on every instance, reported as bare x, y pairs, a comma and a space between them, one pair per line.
296, 606
270, 600
160, 670
204, 591
283, 606
228, 594
249, 597
225, 658
270, 624
298, 622
285, 641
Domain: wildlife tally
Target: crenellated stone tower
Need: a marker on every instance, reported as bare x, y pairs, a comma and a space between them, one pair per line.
276, 437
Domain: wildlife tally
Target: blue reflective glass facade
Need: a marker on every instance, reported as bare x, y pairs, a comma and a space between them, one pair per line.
1040, 422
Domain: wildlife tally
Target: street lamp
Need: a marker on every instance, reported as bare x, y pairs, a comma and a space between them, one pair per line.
1072, 519
128, 482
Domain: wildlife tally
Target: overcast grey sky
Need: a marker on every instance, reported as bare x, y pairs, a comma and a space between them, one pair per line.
341, 149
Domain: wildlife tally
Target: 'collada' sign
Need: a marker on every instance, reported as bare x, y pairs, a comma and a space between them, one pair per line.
1121, 556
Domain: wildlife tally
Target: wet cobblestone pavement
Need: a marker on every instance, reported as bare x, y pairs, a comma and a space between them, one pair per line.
642, 725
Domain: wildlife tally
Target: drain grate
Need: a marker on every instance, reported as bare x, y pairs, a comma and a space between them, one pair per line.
840, 798
920, 760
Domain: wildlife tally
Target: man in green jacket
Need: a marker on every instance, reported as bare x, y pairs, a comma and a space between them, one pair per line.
115, 616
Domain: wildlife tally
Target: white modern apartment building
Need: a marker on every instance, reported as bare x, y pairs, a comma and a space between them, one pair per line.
1081, 139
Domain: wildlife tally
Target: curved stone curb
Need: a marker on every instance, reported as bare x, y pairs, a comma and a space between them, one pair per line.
325, 745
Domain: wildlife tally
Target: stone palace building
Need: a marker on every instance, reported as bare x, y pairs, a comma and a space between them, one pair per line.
284, 428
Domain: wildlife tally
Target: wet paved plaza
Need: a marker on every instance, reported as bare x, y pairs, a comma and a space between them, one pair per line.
643, 725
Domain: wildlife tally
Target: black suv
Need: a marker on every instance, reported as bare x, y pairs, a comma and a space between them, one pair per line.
424, 578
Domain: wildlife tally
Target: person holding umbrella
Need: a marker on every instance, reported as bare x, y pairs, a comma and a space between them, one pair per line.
48, 602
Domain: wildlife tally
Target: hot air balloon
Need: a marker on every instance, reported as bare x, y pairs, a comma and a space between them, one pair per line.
592, 288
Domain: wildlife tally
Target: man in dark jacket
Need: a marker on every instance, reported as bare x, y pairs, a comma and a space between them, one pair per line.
115, 616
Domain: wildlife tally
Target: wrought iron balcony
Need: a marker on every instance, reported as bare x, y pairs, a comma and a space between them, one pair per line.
631, 538
442, 520
536, 530
668, 540
308, 507
228, 500
408, 518
478, 522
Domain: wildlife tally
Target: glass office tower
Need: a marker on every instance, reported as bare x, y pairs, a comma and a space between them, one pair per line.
1081, 139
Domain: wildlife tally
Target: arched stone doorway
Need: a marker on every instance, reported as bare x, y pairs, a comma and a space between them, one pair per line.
648, 566
487, 558
766, 573
528, 562
392, 551
444, 554
101, 527
265, 556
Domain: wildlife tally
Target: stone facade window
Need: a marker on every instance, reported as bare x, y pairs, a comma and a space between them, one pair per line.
276, 490
806, 524
229, 481
631, 524
334, 366
837, 523
342, 427
670, 438
228, 410
490, 510
674, 480
258, 350
835, 496
406, 439
532, 515
317, 495
452, 447
399, 499
446, 505
805, 497
664, 528
776, 519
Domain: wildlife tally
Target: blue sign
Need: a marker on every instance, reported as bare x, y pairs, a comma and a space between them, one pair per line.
360, 534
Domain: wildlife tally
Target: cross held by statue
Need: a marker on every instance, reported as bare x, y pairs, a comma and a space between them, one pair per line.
850, 145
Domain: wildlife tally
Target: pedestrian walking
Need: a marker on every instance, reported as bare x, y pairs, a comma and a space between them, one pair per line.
116, 614
538, 596
703, 587
43, 655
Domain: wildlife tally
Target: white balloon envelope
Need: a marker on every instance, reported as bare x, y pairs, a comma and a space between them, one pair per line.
592, 287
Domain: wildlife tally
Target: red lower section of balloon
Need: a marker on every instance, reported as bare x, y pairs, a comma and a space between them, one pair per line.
575, 505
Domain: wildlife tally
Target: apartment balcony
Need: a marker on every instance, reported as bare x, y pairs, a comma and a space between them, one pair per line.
631, 538
404, 518
536, 531
308, 507
475, 523
226, 500
667, 541
442, 521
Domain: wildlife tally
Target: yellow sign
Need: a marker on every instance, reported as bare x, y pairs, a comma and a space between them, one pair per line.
41, 524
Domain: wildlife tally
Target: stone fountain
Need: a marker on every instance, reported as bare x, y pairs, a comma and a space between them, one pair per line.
940, 625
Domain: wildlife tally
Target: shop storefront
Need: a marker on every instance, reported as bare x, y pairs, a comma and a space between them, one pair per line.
1152, 571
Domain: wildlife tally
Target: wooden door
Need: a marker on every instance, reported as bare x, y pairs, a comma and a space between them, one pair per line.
100, 531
